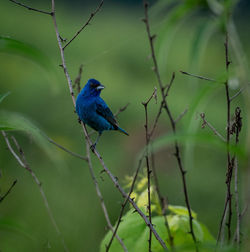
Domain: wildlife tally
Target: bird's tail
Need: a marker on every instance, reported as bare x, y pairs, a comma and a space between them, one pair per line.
123, 131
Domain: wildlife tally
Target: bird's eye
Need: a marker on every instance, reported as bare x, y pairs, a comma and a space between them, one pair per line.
94, 85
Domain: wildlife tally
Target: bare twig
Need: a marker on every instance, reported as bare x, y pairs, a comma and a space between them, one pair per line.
181, 116
87, 23
170, 84
22, 161
162, 200
77, 82
112, 177
99, 194
237, 94
205, 122
9, 190
121, 110
198, 76
66, 150
125, 203
30, 8
173, 125
147, 136
236, 128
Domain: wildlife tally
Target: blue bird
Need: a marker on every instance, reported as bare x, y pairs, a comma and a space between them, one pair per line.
93, 111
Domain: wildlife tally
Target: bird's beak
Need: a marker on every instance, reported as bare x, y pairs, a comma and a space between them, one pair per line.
100, 87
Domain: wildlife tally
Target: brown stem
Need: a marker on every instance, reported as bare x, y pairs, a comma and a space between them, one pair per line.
177, 151
87, 23
114, 180
30, 8
9, 190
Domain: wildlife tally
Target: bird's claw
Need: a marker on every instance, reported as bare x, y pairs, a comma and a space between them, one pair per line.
92, 147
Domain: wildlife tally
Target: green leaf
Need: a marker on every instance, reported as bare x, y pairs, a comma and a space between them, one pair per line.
2, 96
12, 226
180, 210
9, 45
135, 234
11, 121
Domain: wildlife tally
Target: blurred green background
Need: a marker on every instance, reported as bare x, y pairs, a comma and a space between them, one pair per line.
114, 50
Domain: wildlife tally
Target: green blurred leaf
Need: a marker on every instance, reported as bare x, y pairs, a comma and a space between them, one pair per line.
13, 226
9, 45
11, 121
180, 210
135, 233
2, 96
198, 138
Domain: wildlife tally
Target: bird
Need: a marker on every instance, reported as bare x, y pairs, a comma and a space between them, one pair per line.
93, 111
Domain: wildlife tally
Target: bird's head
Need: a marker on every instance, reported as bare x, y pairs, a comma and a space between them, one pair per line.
93, 88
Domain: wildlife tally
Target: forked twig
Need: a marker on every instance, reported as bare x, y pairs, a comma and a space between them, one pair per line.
30, 8
99, 194
205, 122
87, 23
173, 125
125, 203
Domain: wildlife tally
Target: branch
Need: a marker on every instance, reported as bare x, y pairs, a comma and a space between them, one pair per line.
162, 200
181, 116
147, 135
177, 150
125, 203
99, 194
120, 110
68, 151
9, 190
30, 8
22, 161
114, 180
87, 23
198, 76
205, 122
77, 82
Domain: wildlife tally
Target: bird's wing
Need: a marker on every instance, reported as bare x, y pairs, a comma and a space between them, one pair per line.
103, 110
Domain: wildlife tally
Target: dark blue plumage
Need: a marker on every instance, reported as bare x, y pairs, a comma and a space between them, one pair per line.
93, 111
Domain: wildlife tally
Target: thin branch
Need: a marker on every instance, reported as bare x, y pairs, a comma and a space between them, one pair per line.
112, 177
77, 82
68, 151
170, 84
87, 23
30, 8
22, 161
198, 76
147, 136
236, 128
210, 126
121, 110
9, 190
162, 200
182, 114
230, 163
125, 203
99, 194
156, 120
237, 205
177, 150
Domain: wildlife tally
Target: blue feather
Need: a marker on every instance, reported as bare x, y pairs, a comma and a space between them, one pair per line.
92, 109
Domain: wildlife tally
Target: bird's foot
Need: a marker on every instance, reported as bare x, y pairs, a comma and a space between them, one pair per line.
79, 120
92, 147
